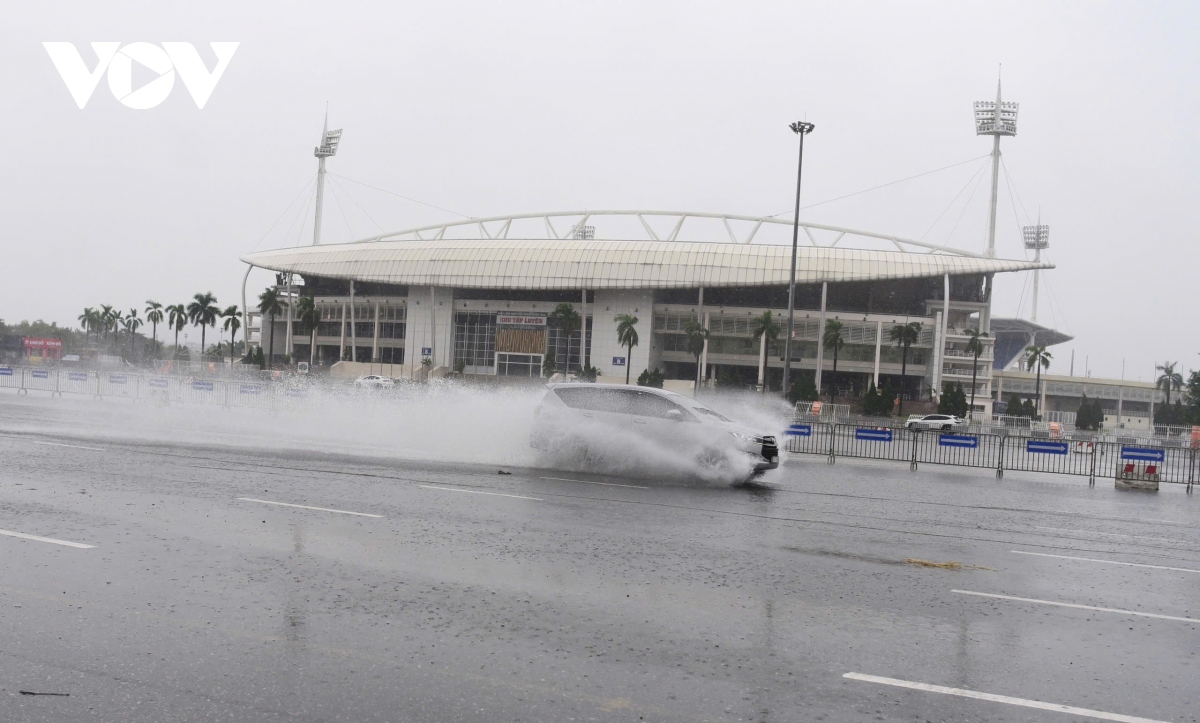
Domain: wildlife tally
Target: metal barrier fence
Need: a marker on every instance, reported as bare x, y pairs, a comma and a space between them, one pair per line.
1134, 463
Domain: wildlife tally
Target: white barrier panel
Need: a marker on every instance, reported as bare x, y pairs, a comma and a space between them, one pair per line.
77, 383
41, 380
10, 377
119, 385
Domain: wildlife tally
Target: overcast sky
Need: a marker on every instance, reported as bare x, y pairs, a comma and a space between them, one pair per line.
494, 108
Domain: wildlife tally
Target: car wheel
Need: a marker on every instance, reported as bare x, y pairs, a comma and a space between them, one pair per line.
710, 459
946, 427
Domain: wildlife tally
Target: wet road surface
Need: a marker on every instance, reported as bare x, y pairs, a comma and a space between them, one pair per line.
157, 580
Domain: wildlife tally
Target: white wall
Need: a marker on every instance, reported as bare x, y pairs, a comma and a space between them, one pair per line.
604, 332
417, 332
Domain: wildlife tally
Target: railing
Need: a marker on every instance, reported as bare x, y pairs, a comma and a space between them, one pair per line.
158, 388
1130, 464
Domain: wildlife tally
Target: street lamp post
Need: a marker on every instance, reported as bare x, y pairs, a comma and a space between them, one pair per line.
801, 129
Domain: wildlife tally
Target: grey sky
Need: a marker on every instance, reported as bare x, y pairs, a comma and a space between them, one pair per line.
494, 108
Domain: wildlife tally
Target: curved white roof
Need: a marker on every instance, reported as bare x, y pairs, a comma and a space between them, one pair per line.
600, 264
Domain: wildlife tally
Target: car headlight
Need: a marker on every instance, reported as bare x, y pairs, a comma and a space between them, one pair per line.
748, 438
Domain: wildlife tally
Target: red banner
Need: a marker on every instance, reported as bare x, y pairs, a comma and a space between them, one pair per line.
34, 343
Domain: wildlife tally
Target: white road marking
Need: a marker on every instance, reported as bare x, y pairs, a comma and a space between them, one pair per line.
307, 507
1076, 606
72, 446
1024, 702
51, 540
1106, 562
1111, 534
606, 484
477, 492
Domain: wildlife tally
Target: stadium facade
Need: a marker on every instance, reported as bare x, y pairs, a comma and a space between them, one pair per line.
478, 295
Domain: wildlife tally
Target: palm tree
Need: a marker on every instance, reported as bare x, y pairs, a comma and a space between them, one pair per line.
1169, 379
905, 335
696, 336
270, 305
627, 337
766, 330
131, 324
309, 315
154, 315
106, 321
203, 312
87, 320
833, 338
1037, 356
569, 322
177, 317
975, 347
232, 324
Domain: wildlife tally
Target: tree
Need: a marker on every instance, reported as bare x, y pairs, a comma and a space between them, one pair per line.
588, 373
548, 365
106, 321
177, 317
203, 312
569, 322
650, 379
310, 316
833, 339
953, 400
870, 401
975, 348
766, 330
804, 387
904, 336
1090, 416
1037, 356
232, 324
697, 335
269, 305
1193, 397
1169, 379
88, 320
154, 315
131, 324
887, 400
627, 337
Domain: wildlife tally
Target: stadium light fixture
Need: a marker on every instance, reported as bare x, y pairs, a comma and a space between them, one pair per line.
800, 128
995, 119
1036, 238
329, 145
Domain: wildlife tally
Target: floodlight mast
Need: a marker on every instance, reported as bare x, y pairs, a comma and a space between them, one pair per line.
801, 129
995, 119
1036, 238
328, 147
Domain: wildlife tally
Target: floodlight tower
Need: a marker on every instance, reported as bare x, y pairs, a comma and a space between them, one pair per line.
1036, 238
995, 119
328, 147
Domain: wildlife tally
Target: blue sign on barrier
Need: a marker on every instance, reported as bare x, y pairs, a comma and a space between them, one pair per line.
959, 440
77, 376
203, 386
5, 371
1143, 454
157, 382
1041, 446
873, 435
41, 374
294, 393
799, 430
116, 379
252, 389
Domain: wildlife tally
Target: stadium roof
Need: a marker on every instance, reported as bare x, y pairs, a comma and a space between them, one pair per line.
617, 264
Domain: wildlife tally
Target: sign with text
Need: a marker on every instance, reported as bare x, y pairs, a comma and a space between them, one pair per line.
799, 430
1041, 446
520, 319
873, 435
618, 361
1143, 454
958, 440
426, 351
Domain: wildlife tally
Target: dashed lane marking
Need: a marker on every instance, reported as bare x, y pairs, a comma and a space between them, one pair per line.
308, 507
477, 492
586, 482
1106, 562
1023, 702
1076, 606
51, 540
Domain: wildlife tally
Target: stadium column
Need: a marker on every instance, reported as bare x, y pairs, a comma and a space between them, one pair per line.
342, 339
704, 352
945, 327
375, 343
878, 347
291, 350
821, 335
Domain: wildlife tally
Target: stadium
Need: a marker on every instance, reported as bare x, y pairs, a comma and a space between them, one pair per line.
477, 296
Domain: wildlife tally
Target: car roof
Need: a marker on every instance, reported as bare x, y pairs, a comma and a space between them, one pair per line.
587, 385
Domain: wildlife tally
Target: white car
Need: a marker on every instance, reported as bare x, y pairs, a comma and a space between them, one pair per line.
944, 422
374, 381
580, 415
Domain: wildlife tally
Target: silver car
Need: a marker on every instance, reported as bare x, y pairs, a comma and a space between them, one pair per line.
944, 422
667, 420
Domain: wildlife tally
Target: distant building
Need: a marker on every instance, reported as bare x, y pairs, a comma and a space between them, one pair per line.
484, 302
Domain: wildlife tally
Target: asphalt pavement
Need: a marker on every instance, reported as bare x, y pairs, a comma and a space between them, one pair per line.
160, 571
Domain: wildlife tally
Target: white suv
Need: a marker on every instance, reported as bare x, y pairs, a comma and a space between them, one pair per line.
572, 415
374, 381
944, 422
